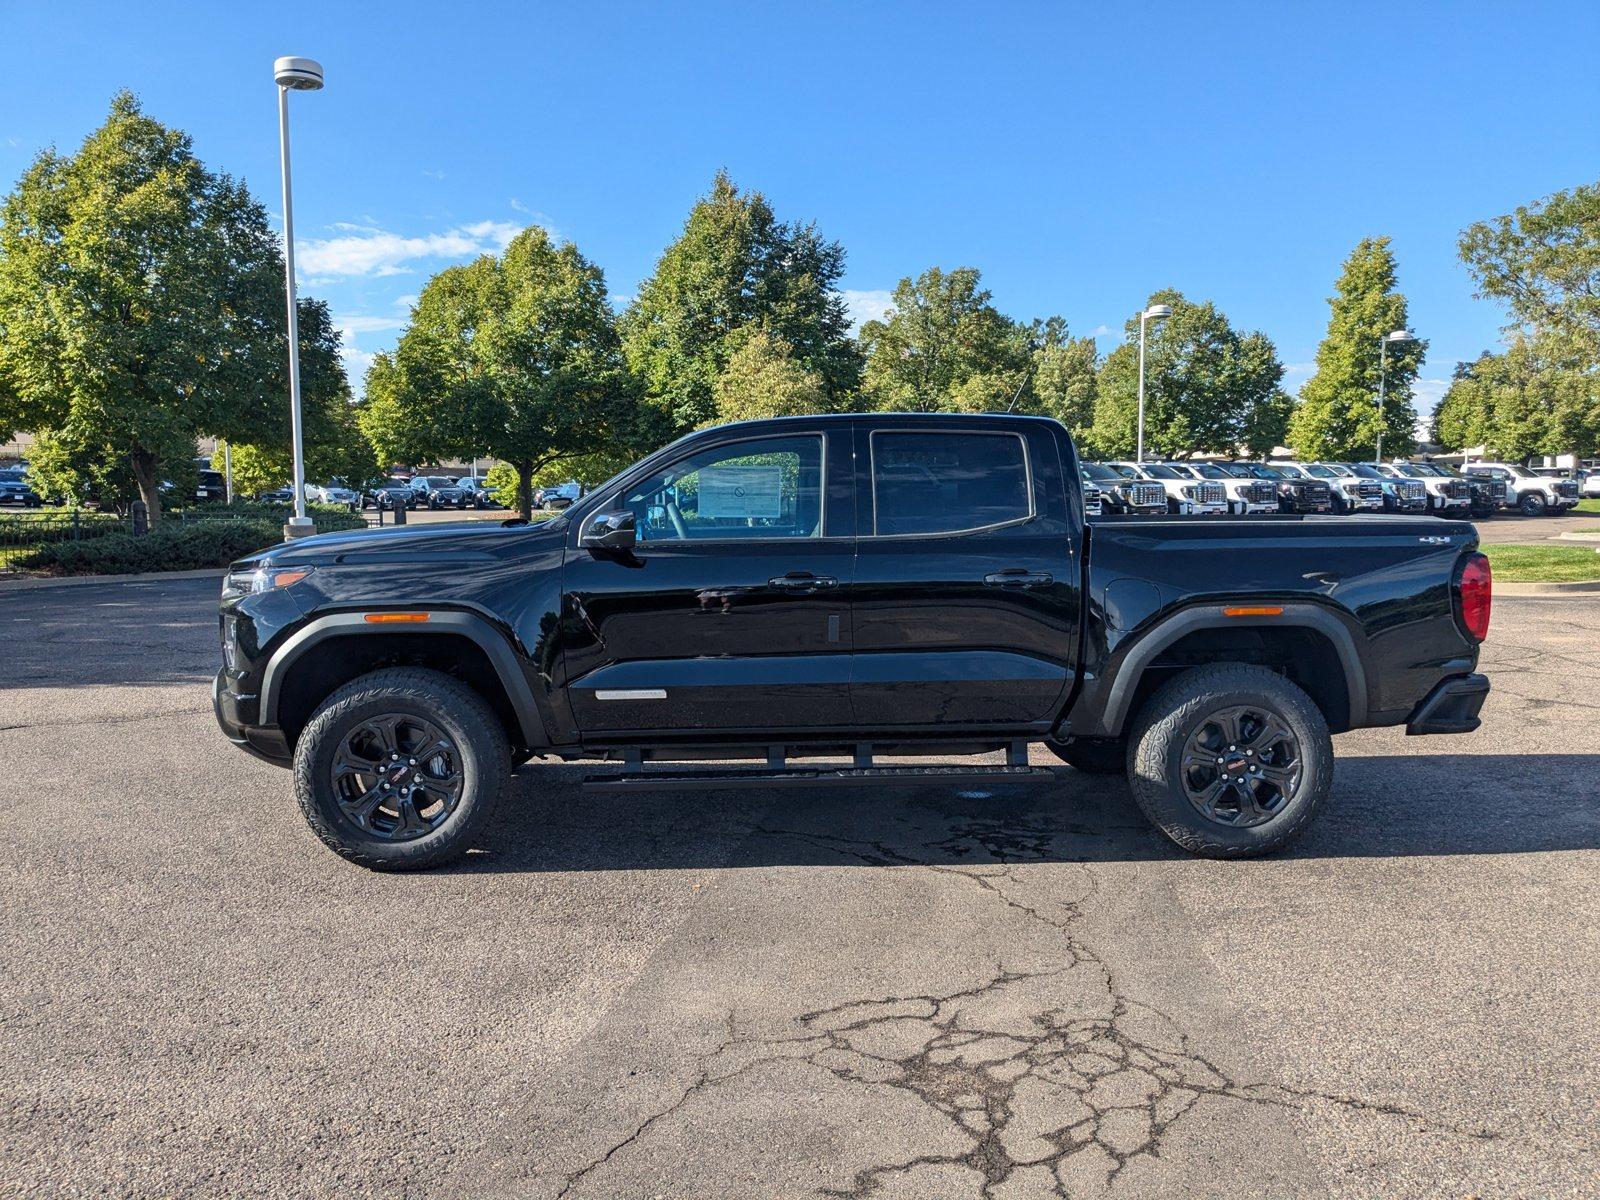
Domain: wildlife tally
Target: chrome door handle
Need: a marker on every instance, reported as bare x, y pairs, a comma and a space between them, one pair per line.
1016, 577
798, 581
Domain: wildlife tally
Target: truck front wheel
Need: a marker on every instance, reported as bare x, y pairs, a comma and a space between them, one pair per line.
401, 768
1230, 760
1532, 504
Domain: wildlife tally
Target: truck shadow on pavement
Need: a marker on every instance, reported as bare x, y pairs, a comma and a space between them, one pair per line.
1381, 807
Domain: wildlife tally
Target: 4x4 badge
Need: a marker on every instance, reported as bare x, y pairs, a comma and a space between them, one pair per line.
1435, 539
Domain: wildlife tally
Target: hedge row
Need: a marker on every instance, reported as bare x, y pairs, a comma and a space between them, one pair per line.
175, 546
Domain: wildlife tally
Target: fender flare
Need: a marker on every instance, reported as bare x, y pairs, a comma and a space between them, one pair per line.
1119, 697
463, 624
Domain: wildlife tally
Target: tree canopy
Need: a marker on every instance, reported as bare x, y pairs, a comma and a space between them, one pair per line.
1542, 394
1338, 415
736, 271
515, 357
141, 305
1208, 388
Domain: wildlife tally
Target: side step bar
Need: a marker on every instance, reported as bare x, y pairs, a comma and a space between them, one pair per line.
775, 774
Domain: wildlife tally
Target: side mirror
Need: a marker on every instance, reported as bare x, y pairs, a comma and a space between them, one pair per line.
609, 531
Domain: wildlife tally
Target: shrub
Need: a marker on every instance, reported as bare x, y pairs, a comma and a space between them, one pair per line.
170, 547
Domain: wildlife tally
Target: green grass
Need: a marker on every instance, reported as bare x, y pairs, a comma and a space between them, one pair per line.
1589, 504
1543, 564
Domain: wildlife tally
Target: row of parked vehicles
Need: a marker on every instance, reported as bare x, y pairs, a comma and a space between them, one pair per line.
421, 491
1479, 490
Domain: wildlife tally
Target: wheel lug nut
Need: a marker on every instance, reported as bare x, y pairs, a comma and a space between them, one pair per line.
412, 761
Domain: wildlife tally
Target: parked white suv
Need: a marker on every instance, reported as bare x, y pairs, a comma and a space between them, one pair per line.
1530, 493
1246, 494
1185, 496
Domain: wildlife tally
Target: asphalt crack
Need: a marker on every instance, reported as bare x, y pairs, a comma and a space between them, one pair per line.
1054, 1071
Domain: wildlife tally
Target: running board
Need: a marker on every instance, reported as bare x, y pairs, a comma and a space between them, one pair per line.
819, 776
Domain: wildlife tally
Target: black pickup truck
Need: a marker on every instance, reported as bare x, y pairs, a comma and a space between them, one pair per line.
850, 587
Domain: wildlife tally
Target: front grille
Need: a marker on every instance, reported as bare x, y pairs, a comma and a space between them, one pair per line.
1497, 488
1458, 489
1260, 492
1567, 489
1413, 489
1091, 501
1314, 493
1147, 495
1369, 489
1212, 493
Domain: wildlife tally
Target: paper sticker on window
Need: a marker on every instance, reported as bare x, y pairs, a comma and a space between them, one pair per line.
741, 492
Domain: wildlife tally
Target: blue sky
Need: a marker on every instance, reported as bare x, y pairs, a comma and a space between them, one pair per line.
1080, 156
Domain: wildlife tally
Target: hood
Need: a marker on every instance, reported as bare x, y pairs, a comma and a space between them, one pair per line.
485, 540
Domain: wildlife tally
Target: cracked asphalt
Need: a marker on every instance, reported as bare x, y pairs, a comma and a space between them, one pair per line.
1004, 991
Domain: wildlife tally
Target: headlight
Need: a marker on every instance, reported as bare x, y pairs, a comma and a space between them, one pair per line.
246, 581
1189, 491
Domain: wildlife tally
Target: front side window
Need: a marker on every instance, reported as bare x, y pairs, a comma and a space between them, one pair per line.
937, 482
757, 489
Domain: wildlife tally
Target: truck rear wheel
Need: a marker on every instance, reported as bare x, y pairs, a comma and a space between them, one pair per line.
1230, 760
401, 768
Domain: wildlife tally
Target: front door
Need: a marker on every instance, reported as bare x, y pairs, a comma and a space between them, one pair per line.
731, 613
966, 598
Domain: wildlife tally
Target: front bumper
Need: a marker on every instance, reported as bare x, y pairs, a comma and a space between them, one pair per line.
1452, 706
265, 742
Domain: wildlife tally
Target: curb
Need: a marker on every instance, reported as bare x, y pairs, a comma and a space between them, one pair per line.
1573, 535
28, 583
1547, 589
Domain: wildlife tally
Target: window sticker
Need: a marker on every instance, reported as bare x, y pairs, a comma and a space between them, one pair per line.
741, 492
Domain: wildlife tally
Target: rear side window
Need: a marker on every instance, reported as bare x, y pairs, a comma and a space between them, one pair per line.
934, 482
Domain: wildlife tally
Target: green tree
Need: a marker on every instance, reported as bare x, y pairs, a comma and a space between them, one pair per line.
734, 271
515, 358
1521, 403
1542, 394
943, 347
141, 302
1062, 383
1338, 416
764, 379
1208, 388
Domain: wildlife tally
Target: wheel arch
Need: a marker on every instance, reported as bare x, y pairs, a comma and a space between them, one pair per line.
1309, 644
333, 649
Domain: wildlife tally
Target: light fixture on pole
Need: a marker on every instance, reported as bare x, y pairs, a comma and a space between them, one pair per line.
1156, 312
293, 75
1399, 335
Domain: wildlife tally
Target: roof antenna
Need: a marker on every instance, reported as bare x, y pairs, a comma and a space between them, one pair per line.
1033, 348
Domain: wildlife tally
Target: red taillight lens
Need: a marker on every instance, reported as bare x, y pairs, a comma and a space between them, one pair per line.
1473, 595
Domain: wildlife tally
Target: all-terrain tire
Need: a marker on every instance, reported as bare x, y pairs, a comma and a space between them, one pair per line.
1162, 730
1096, 757
1532, 504
452, 706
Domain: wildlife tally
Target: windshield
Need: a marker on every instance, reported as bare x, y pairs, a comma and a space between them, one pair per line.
1427, 471
1157, 471
1238, 470
1285, 471
1366, 471
11, 475
1521, 472
440, 481
1094, 471
1321, 472
1208, 471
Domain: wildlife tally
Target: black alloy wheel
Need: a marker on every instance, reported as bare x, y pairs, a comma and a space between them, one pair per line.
397, 776
1240, 766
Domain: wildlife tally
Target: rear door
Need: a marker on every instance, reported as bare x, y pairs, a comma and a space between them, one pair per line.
966, 598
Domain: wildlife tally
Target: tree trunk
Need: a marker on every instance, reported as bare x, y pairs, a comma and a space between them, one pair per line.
525, 489
146, 473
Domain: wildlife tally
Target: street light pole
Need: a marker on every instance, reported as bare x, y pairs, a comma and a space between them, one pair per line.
301, 75
1399, 335
1156, 312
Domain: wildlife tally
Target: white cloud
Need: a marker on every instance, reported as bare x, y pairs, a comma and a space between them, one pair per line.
864, 306
356, 363
363, 250
1100, 331
1426, 394
363, 323
405, 301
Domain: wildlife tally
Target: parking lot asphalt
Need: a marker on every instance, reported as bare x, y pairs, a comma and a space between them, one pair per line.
1004, 991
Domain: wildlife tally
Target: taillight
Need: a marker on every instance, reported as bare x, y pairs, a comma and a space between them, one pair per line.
1473, 596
